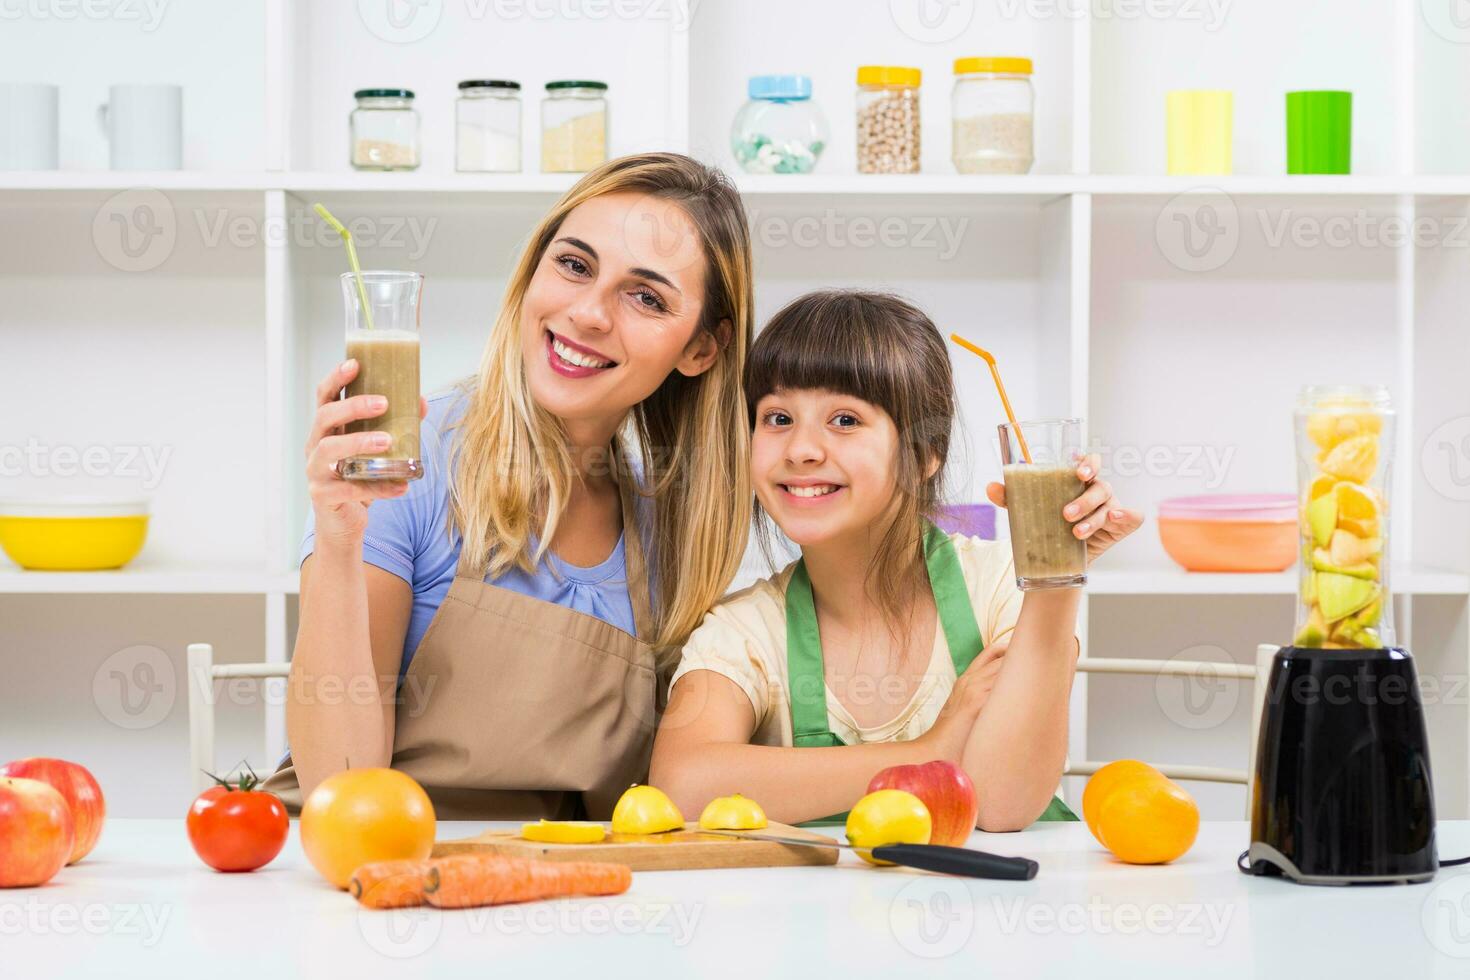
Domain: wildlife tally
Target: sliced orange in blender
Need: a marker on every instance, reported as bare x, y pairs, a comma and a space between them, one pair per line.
1328, 427
1321, 486
1358, 510
1352, 459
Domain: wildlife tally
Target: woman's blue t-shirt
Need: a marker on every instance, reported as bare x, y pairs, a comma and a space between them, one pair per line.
408, 537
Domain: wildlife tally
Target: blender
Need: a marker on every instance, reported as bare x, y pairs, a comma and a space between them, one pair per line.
1342, 791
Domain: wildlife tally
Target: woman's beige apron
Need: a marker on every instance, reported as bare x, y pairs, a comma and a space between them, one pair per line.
516, 708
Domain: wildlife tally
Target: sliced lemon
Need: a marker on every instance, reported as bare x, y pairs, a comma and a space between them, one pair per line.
564, 832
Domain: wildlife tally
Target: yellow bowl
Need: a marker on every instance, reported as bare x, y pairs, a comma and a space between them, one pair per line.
73, 534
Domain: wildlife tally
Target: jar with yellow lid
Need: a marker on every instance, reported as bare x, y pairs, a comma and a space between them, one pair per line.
992, 110
888, 133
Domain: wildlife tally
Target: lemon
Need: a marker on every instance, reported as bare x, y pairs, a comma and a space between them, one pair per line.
887, 816
563, 832
732, 813
645, 810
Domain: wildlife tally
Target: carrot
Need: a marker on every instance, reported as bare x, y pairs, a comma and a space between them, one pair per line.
468, 880
389, 884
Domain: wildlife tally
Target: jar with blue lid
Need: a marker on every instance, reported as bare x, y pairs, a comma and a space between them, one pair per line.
780, 130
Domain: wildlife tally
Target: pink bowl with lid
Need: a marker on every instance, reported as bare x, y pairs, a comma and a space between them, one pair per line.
1254, 532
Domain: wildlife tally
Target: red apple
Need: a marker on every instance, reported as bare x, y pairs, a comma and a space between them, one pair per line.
945, 789
36, 832
77, 787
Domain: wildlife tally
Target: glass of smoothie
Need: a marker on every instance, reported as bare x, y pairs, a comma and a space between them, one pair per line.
1047, 554
384, 338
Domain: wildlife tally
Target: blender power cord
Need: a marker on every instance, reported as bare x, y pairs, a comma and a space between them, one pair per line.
1245, 868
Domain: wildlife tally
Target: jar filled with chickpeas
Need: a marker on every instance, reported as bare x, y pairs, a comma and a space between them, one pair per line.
888, 119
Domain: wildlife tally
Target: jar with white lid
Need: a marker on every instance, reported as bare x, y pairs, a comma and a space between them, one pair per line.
487, 127
993, 111
573, 126
888, 133
384, 130
780, 130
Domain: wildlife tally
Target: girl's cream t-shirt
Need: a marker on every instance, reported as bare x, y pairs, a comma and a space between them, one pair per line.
744, 638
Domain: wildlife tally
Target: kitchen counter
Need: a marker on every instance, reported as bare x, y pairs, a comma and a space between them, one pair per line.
143, 905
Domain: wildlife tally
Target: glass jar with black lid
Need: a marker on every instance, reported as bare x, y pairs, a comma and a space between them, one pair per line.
487, 131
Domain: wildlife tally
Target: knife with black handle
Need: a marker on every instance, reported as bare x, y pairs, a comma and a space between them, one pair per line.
925, 857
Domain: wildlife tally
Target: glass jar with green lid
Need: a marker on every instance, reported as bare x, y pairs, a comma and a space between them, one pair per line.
573, 126
383, 130
992, 110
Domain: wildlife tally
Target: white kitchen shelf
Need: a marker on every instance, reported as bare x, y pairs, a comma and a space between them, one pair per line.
143, 578
1063, 270
1037, 186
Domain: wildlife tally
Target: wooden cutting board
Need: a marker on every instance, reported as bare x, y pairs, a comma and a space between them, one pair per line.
676, 850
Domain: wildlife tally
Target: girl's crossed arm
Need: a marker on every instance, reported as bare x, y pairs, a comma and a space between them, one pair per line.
702, 750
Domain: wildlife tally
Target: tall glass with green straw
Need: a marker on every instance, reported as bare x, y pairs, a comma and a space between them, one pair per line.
383, 337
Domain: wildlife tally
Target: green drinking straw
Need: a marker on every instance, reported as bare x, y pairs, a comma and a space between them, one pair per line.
341, 229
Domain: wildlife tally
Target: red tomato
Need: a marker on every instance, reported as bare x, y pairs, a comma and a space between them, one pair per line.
236, 827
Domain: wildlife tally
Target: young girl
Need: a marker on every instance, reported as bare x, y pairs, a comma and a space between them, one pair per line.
888, 642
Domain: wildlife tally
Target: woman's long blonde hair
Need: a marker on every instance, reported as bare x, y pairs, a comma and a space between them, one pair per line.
514, 471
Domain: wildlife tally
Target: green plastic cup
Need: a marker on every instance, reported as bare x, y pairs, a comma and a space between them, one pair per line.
1319, 132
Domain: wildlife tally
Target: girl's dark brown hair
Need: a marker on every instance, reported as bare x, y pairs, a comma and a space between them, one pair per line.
876, 347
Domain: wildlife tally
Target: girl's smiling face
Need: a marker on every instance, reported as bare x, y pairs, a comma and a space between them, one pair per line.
823, 464
614, 307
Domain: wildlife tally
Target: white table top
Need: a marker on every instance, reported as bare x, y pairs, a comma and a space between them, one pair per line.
142, 904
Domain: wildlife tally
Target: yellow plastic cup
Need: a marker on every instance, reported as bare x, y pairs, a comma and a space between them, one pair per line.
1200, 125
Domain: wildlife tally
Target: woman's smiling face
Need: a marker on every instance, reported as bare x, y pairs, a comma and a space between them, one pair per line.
614, 307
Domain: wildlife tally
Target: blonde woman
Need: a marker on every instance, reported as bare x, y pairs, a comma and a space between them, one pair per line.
499, 633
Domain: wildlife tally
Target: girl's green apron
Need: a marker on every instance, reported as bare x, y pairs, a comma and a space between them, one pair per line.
807, 681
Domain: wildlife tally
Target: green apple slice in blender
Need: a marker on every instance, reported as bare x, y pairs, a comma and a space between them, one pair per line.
1322, 562
1313, 631
1347, 548
1339, 596
1322, 518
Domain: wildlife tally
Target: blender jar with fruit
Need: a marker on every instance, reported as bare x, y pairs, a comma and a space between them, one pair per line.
1344, 440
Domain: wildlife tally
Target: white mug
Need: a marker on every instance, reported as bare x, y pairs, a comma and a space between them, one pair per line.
144, 126
28, 126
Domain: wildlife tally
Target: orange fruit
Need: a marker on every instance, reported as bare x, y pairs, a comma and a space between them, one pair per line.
1148, 821
363, 815
1358, 510
1321, 486
1102, 783
1353, 459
